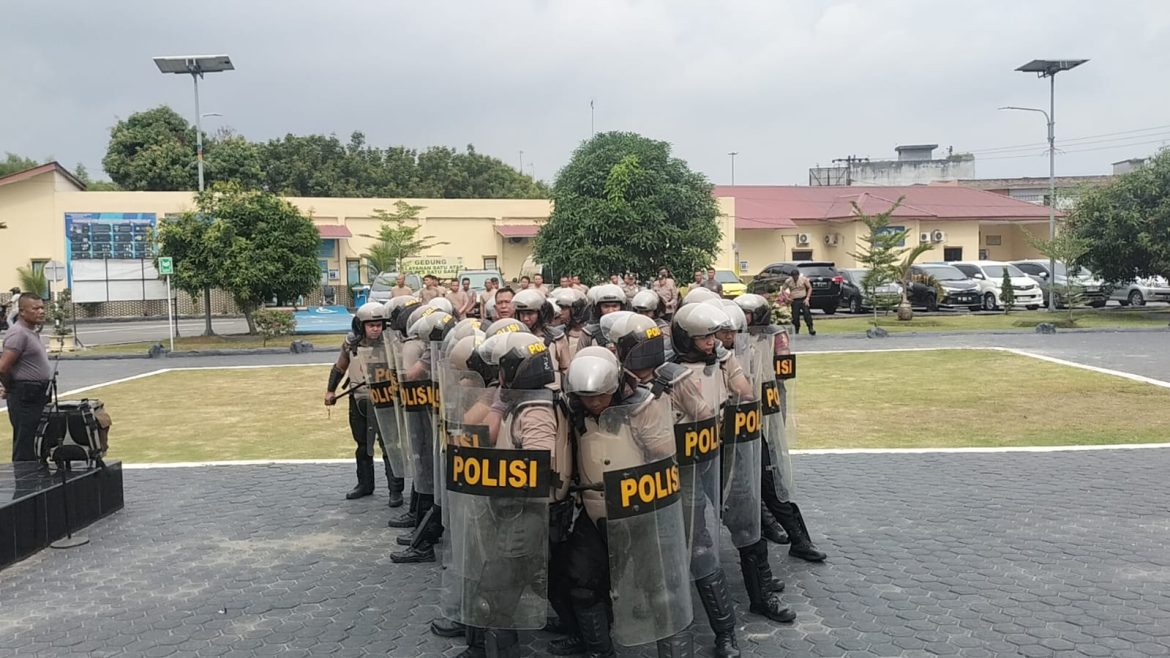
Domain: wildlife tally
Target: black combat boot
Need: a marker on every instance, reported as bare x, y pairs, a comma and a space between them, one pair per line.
395, 499
789, 516
501, 643
475, 643
593, 621
422, 540
680, 645
409, 518
444, 627
365, 483
757, 579
717, 602
771, 530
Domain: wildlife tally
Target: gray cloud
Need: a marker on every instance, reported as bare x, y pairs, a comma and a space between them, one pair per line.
786, 84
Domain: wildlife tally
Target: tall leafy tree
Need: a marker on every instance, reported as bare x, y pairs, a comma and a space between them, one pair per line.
397, 238
186, 238
262, 247
883, 253
1125, 226
623, 203
152, 151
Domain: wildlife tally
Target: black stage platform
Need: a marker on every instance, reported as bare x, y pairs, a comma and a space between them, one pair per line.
31, 515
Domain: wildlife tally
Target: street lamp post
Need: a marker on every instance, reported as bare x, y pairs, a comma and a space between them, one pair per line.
733, 154
195, 66
1048, 68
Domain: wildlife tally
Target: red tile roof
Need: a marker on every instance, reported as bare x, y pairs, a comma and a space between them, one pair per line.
333, 231
764, 207
517, 230
18, 176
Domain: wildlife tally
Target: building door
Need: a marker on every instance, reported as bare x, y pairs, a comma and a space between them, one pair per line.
952, 253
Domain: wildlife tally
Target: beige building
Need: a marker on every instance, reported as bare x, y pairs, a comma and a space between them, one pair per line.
101, 237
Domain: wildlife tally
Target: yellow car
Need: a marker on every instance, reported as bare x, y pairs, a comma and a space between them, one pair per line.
732, 286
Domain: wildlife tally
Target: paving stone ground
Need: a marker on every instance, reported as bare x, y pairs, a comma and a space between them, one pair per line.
1028, 554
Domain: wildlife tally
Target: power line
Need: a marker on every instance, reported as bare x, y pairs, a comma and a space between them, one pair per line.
1019, 147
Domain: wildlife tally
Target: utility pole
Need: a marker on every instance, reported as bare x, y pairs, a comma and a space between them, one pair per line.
592, 131
849, 162
521, 160
733, 154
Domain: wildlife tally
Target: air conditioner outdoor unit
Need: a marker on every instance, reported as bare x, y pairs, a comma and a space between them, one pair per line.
924, 237
831, 240
802, 238
938, 236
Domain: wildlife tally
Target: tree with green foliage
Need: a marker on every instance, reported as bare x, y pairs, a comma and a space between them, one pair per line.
33, 281
1007, 294
1125, 225
265, 249
152, 151
397, 238
883, 253
13, 163
622, 203
187, 239
1070, 249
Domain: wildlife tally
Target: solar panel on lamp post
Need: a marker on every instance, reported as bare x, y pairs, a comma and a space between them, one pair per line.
1048, 68
195, 66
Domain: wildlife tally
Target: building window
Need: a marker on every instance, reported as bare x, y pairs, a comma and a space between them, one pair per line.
353, 272
952, 254
489, 262
994, 240
983, 254
802, 254
38, 265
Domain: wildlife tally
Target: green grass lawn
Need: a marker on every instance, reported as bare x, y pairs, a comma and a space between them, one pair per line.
945, 398
192, 343
1017, 320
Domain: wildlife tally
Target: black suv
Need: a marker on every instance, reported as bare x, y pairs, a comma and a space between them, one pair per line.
957, 289
823, 275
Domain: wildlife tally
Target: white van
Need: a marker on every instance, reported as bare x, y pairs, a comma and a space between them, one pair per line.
988, 275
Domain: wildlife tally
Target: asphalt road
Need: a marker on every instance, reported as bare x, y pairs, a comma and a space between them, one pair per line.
104, 333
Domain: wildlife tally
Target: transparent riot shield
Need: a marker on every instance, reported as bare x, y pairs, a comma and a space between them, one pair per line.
740, 437
464, 406
695, 402
382, 380
645, 533
775, 433
417, 396
499, 500
392, 344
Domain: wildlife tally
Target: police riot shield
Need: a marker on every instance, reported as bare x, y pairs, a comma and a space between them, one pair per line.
696, 401
417, 397
645, 533
392, 344
382, 380
741, 441
769, 362
465, 403
499, 524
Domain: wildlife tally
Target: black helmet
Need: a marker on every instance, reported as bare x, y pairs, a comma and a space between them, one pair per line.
574, 300
432, 327
693, 321
400, 310
525, 363
648, 301
755, 308
534, 300
640, 343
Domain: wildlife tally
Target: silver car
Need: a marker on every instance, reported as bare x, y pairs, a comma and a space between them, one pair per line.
1140, 291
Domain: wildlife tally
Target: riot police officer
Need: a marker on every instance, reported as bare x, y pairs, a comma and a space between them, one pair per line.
536, 313
742, 465
650, 304
505, 530
571, 314
778, 427
604, 299
696, 402
368, 324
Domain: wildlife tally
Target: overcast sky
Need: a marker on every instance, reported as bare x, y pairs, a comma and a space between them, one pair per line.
787, 84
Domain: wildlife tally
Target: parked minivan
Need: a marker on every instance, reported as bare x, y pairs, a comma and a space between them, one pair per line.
988, 276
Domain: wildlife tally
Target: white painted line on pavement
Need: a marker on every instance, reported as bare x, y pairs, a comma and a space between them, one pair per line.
1073, 364
821, 451
926, 451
